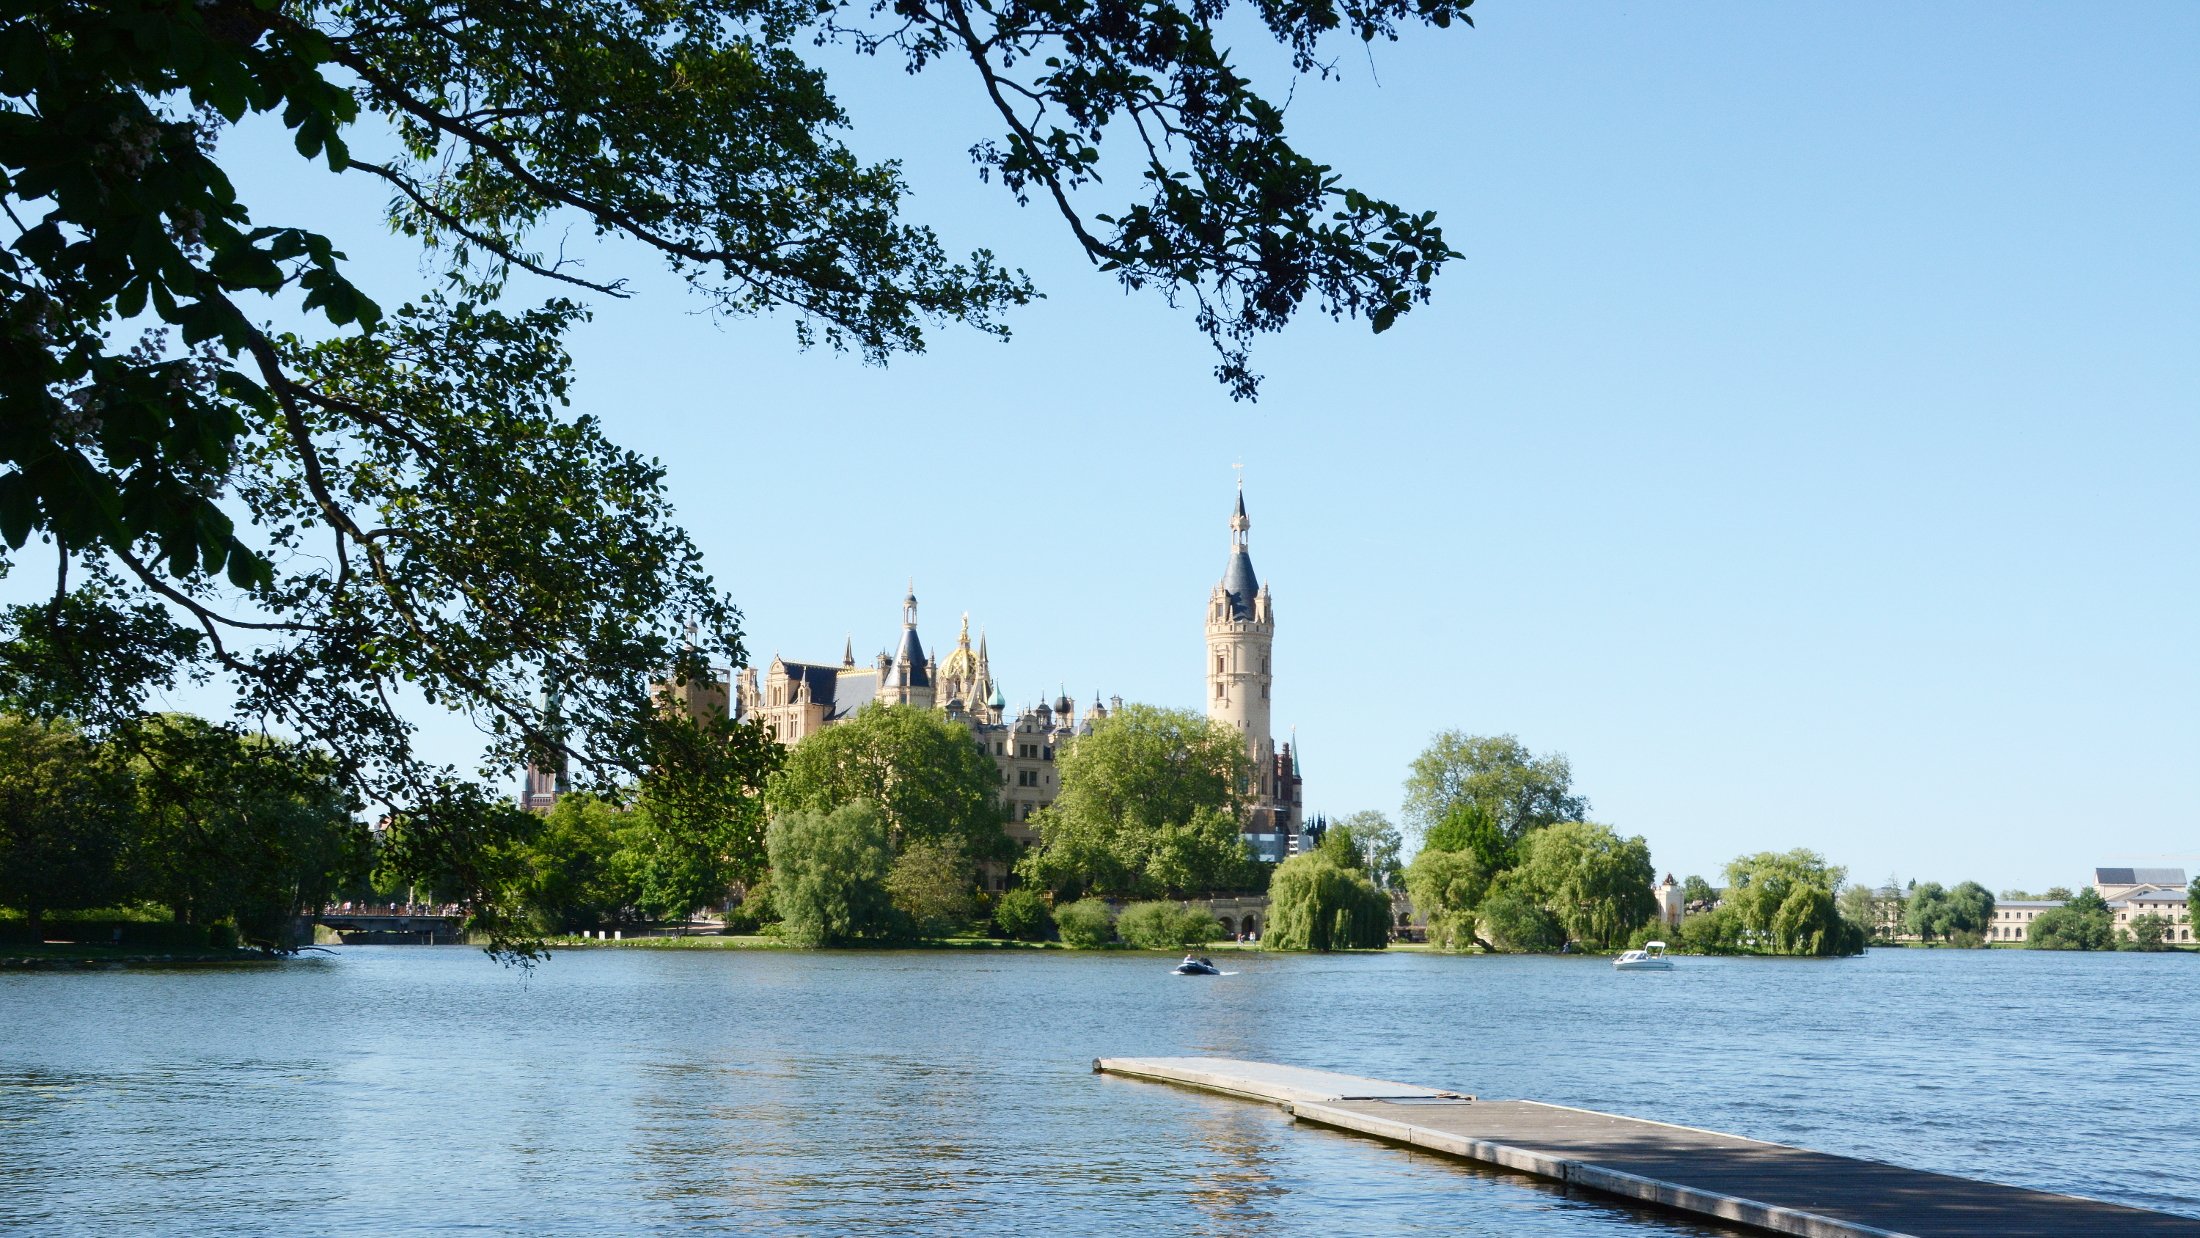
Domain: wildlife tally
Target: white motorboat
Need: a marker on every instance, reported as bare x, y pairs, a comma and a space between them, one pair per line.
1650, 958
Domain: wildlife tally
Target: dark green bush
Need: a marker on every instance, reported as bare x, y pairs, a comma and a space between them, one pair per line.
1085, 924
1021, 915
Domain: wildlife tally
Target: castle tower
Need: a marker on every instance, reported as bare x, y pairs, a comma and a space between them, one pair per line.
908, 676
1240, 630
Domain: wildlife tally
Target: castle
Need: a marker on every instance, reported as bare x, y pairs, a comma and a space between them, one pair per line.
797, 699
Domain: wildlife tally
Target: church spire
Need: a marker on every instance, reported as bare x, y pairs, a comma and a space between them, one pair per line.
1239, 521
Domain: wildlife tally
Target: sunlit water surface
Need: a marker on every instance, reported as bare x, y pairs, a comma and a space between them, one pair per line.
396, 1089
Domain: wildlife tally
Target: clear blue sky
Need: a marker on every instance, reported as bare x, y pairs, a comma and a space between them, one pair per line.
1806, 446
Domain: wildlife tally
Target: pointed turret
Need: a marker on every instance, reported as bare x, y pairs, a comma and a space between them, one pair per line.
1240, 587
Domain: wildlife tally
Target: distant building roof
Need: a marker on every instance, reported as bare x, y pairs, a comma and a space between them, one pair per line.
1239, 582
912, 654
2027, 902
2138, 876
2154, 896
840, 690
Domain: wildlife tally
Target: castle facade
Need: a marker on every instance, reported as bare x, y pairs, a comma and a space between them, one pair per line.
795, 700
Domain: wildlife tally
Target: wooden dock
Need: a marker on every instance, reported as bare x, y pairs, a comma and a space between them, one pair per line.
1747, 1182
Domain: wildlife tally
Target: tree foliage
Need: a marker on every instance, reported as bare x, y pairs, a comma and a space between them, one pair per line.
2148, 931
239, 828
2083, 923
1596, 883
1940, 914
392, 508
1379, 845
829, 872
1446, 887
932, 884
1488, 792
1695, 889
1150, 806
1021, 915
576, 873
1316, 904
1166, 926
923, 774
1085, 924
1782, 903
1513, 918
67, 813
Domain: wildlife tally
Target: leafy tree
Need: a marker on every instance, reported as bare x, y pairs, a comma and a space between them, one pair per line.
1695, 889
1151, 804
1021, 915
67, 811
1944, 914
1316, 904
2083, 923
1596, 883
1166, 926
1085, 924
1446, 887
1469, 828
1515, 790
1718, 931
239, 828
1808, 923
1514, 919
1380, 846
1783, 901
88, 656
1859, 904
1756, 885
932, 883
576, 873
923, 774
829, 872
2148, 931
2192, 901
701, 809
391, 502
2057, 892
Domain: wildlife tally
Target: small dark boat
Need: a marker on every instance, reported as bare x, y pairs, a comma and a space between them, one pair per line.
1192, 966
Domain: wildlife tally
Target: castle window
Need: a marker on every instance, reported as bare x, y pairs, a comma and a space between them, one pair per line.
1218, 689
1218, 664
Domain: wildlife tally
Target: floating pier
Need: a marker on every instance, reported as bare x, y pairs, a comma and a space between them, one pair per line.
1748, 1182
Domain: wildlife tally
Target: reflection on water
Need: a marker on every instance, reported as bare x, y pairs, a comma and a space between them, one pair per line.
412, 1089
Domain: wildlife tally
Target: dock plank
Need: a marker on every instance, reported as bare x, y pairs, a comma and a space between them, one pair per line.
1749, 1182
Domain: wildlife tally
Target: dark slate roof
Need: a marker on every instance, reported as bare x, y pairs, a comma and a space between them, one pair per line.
912, 650
2139, 876
1239, 582
840, 690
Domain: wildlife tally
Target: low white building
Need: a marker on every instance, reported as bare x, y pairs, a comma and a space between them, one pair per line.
2013, 918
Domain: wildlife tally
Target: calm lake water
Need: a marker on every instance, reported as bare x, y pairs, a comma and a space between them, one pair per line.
413, 1089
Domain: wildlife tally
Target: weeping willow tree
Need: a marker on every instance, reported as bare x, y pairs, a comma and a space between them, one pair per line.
1315, 903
